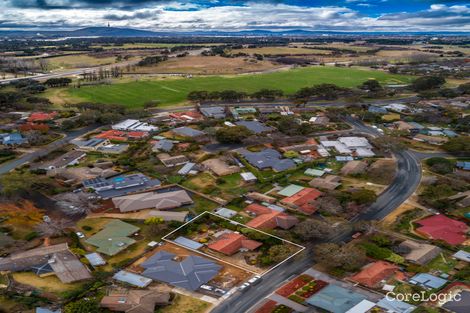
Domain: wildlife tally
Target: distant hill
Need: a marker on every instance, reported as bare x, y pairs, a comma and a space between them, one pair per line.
130, 32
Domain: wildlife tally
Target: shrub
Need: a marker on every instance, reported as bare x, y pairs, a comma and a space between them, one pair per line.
32, 235
87, 228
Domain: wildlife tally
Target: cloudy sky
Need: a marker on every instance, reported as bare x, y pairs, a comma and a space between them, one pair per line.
182, 15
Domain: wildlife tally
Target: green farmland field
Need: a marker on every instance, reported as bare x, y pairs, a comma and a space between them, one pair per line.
174, 91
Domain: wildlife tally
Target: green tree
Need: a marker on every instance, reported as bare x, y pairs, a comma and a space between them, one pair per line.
82, 306
233, 134
364, 196
458, 145
279, 253
427, 82
313, 229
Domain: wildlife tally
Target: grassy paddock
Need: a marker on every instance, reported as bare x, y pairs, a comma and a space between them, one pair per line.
174, 91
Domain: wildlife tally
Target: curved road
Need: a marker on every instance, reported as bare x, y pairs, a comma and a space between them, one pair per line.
403, 185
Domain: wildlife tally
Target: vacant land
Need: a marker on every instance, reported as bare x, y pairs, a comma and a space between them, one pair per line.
48, 284
78, 61
174, 91
281, 51
186, 304
211, 65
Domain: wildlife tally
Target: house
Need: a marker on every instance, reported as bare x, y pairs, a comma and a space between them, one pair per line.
132, 279
70, 158
267, 218
134, 301
268, 158
419, 253
113, 148
114, 135
152, 200
188, 168
462, 255
309, 146
255, 127
188, 132
460, 302
463, 199
163, 145
134, 125
113, 238
397, 107
137, 135
188, 273
220, 167
230, 243
290, 190
359, 145
314, 172
335, 299
95, 259
55, 259
440, 227
187, 116
248, 177
304, 200
213, 112
377, 109
354, 167
172, 161
427, 281
375, 273
38, 117
463, 165
121, 185
433, 140
12, 139
319, 120
329, 182
224, 212
395, 306
91, 144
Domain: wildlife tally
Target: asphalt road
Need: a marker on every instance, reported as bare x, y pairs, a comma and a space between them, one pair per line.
29, 157
403, 185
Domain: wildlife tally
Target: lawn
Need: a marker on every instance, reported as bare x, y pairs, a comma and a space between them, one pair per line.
174, 91
227, 187
78, 61
185, 304
48, 284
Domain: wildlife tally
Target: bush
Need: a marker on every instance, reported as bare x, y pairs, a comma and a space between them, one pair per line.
32, 235
87, 228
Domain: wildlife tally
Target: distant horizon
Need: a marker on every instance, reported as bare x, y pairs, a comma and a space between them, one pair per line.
372, 16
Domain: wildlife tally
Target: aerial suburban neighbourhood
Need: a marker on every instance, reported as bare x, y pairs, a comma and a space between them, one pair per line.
234, 156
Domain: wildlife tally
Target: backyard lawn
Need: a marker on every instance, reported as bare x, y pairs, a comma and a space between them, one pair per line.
174, 91
185, 304
48, 284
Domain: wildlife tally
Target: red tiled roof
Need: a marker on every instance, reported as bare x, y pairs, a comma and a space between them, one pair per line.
137, 134
440, 227
112, 135
375, 272
231, 243
303, 200
269, 219
41, 116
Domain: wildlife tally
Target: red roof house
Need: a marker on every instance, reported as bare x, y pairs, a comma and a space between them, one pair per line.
269, 219
372, 274
303, 200
112, 134
41, 117
230, 243
440, 227
137, 135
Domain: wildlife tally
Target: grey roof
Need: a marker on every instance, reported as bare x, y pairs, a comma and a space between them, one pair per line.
188, 132
459, 306
114, 148
186, 168
190, 273
427, 281
95, 259
132, 279
163, 145
462, 255
92, 142
224, 212
214, 112
335, 299
188, 243
375, 109
395, 306
254, 126
268, 158
120, 185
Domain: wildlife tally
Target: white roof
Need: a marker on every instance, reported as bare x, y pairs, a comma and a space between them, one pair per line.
340, 147
361, 307
354, 142
247, 176
364, 152
462, 255
134, 125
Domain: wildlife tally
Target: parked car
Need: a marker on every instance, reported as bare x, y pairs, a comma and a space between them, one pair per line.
80, 234
207, 287
254, 280
244, 287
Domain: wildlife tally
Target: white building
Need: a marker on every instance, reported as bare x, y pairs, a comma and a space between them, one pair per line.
134, 125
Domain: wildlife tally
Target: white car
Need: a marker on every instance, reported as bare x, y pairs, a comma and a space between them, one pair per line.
244, 287
207, 287
80, 234
254, 280
221, 291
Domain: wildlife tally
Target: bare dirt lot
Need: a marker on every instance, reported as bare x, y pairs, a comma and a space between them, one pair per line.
210, 65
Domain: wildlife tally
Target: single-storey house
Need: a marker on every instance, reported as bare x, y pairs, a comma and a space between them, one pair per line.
220, 167
419, 252
440, 227
152, 200
113, 238
230, 243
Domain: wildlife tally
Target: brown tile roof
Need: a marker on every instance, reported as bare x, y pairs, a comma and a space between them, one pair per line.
230, 243
134, 301
372, 274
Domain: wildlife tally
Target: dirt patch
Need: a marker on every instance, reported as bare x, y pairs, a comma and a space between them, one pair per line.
209, 66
